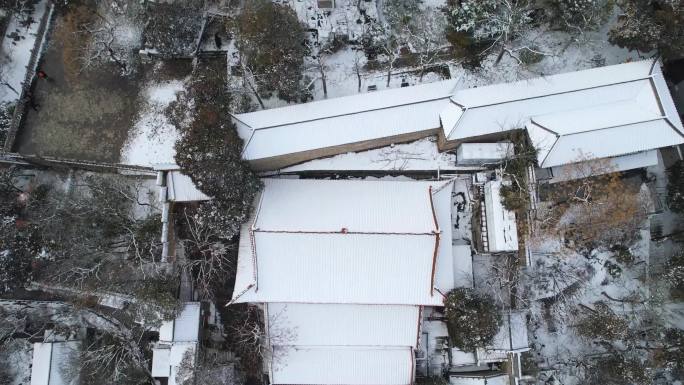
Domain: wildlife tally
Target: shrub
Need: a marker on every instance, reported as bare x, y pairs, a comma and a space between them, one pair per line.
530, 56
210, 150
622, 254
271, 41
578, 15
674, 274
648, 25
617, 370
473, 320
602, 324
675, 187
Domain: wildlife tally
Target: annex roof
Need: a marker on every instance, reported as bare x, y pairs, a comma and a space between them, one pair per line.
474, 379
600, 110
343, 324
344, 120
167, 360
185, 327
474, 153
342, 241
447, 254
512, 335
180, 188
502, 233
55, 363
634, 130
344, 365
604, 166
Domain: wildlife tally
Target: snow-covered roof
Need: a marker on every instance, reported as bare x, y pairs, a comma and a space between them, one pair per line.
160, 361
345, 365
604, 111
463, 266
469, 153
180, 188
343, 324
454, 262
512, 335
604, 166
167, 360
339, 242
461, 358
320, 206
502, 233
54, 363
343, 266
345, 120
178, 352
474, 379
185, 327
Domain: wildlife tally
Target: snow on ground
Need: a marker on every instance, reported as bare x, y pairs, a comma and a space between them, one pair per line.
562, 284
346, 19
15, 54
565, 53
152, 139
415, 156
17, 357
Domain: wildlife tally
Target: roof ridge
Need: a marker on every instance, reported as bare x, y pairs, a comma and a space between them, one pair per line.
343, 230
662, 117
433, 99
553, 93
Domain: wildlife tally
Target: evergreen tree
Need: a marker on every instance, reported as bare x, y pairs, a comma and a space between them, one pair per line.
210, 152
271, 41
581, 15
648, 25
675, 187
473, 319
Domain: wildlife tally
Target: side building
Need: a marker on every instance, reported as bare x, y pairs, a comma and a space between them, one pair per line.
622, 113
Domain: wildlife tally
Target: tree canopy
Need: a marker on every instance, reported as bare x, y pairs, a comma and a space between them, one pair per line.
648, 25
473, 319
210, 151
271, 41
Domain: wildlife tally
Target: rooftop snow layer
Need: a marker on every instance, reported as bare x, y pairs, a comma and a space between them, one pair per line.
584, 101
324, 241
344, 120
344, 365
355, 205
185, 327
344, 324
55, 363
502, 233
182, 189
343, 268
602, 131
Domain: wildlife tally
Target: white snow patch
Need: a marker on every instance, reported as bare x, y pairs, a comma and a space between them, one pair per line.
419, 155
16, 51
153, 136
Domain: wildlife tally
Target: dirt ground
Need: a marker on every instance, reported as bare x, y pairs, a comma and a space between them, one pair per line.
85, 115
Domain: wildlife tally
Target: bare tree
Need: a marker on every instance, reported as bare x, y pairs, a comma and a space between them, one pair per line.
426, 37
112, 36
265, 340
4, 80
211, 256
358, 55
494, 23
595, 206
